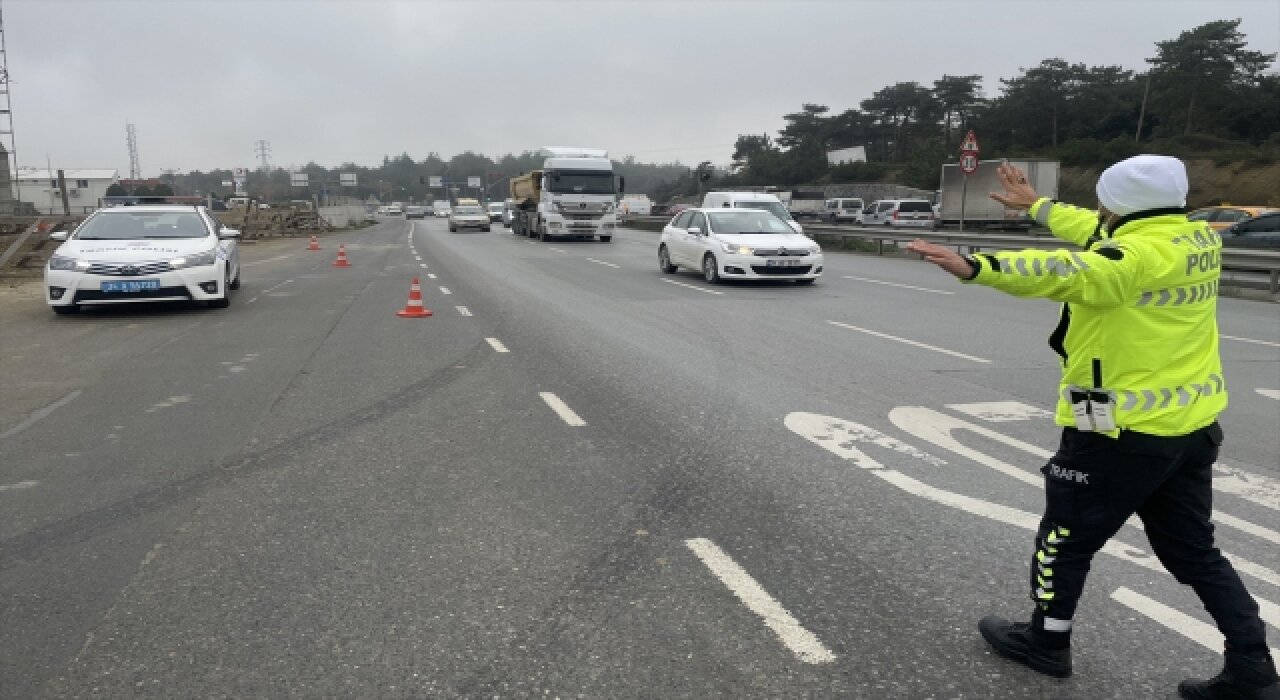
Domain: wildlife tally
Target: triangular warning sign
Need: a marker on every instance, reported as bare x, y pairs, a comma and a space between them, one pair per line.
970, 142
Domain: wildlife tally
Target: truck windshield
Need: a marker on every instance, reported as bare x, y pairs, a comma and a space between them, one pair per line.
581, 182
775, 207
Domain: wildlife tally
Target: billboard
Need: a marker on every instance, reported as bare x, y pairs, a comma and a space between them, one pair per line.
436, 181
473, 181
347, 179
298, 179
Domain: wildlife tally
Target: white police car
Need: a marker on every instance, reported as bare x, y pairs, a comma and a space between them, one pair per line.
163, 252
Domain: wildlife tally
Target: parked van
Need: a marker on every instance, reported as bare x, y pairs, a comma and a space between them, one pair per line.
843, 209
751, 200
635, 205
905, 213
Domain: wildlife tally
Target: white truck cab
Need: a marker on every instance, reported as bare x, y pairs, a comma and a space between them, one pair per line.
751, 200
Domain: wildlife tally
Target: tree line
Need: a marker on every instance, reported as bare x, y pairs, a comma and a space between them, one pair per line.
1203, 93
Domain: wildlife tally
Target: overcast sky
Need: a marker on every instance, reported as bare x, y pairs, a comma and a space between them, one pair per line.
333, 82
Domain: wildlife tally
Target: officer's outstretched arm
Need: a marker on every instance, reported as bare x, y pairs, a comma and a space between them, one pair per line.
1104, 276
1071, 224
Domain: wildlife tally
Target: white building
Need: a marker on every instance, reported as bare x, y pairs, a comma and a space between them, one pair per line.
856, 154
85, 187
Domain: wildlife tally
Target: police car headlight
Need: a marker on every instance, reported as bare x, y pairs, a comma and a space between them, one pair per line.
196, 260
65, 262
736, 248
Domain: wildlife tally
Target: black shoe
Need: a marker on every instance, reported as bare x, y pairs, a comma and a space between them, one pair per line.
1243, 677
1017, 641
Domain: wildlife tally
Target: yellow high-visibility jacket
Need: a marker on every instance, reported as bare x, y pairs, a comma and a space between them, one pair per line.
1139, 315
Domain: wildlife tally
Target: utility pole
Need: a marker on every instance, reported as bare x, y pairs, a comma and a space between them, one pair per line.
6, 121
1137, 135
263, 150
131, 139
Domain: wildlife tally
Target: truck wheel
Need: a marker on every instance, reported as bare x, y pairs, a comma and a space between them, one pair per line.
487, 229
606, 239
543, 235
453, 229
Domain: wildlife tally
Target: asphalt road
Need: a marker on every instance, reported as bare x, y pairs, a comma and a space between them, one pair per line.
579, 478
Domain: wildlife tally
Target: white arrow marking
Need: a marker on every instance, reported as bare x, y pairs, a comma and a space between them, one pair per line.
1000, 411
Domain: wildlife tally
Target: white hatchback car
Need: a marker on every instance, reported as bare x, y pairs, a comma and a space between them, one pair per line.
738, 244
126, 254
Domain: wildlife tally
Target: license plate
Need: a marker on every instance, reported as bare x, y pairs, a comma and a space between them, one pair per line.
130, 285
781, 263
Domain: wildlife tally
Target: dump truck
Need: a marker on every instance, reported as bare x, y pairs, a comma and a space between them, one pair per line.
573, 194
973, 201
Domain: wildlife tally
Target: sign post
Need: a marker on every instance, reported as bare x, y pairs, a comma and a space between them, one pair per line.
968, 166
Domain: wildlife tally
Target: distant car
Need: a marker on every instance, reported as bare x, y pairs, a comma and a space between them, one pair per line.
899, 213
441, 209
415, 212
468, 216
393, 210
497, 210
843, 209
1262, 231
1224, 216
728, 243
143, 253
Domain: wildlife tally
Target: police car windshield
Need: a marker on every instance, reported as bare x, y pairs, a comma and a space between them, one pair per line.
775, 207
125, 225
746, 222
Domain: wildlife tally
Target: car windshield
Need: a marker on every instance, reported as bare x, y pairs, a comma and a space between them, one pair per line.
775, 207
746, 222
915, 206
468, 210
581, 182
127, 225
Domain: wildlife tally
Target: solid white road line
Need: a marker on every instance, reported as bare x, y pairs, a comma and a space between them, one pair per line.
562, 409
18, 486
430, 275
558, 250
896, 284
463, 310
445, 290
1000, 411
1204, 634
263, 262
1250, 340
497, 345
42, 413
807, 647
601, 262
1270, 393
692, 286
934, 348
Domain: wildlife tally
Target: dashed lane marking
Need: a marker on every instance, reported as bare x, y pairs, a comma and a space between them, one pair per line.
1250, 340
915, 343
430, 275
897, 284
463, 310
40, 414
803, 643
445, 290
562, 409
558, 250
496, 345
601, 262
693, 286
18, 486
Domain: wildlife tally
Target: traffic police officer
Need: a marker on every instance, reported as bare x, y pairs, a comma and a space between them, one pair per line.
1141, 390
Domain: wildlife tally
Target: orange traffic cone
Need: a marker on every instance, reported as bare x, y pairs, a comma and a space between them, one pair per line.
414, 309
342, 257
315, 244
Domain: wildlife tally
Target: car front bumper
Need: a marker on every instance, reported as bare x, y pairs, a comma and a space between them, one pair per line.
71, 287
755, 267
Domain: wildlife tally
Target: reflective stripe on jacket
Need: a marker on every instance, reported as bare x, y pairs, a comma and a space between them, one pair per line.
1142, 303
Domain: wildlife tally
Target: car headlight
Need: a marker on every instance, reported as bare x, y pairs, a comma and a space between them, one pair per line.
736, 248
63, 262
196, 260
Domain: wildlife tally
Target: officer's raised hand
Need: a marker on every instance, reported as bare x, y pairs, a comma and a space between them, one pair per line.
1018, 194
944, 257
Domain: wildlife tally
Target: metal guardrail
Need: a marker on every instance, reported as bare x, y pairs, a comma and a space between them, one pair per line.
1245, 259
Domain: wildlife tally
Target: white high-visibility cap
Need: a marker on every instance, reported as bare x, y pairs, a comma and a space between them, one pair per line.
1142, 183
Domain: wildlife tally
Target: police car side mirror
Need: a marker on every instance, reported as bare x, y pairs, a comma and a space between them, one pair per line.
695, 231
58, 236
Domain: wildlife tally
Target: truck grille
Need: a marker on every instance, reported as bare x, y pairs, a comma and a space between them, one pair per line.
128, 269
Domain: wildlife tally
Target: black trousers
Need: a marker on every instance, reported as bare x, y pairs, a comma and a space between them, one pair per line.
1095, 483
